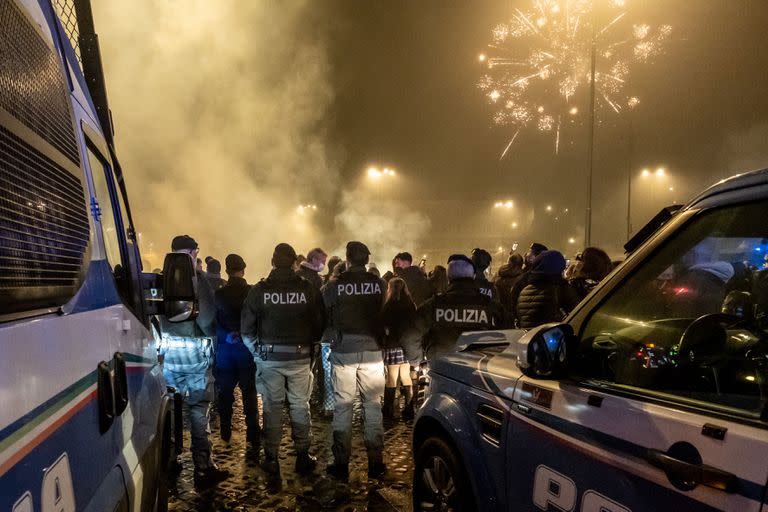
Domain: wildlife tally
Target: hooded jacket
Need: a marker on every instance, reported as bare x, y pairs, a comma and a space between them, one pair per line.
505, 280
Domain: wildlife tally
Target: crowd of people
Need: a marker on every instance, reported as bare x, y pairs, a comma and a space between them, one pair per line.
344, 333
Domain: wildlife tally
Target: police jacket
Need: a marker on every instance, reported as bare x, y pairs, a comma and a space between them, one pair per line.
353, 303
486, 287
282, 317
545, 298
204, 324
229, 305
417, 283
440, 320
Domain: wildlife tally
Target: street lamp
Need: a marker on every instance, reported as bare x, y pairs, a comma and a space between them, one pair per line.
375, 173
645, 173
508, 204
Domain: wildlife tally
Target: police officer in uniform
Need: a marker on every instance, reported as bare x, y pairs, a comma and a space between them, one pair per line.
441, 319
282, 317
187, 352
234, 362
353, 303
481, 259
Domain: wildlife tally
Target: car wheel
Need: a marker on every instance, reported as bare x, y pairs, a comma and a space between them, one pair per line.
439, 480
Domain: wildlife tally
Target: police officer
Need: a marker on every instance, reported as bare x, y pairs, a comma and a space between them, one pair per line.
234, 363
481, 259
354, 303
441, 319
282, 317
186, 348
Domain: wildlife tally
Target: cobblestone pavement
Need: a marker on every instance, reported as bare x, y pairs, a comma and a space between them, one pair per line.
248, 490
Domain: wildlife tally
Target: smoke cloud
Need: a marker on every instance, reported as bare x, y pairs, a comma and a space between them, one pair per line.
219, 112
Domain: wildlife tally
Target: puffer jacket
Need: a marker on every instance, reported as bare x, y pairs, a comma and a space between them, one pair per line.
546, 298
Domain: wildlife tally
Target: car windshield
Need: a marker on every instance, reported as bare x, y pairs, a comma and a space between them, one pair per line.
693, 319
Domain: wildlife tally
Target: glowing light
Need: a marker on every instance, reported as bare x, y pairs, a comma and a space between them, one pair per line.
514, 225
482, 57
374, 172
504, 204
750, 378
571, 240
549, 208
540, 59
660, 172
509, 204
645, 173
501, 248
671, 189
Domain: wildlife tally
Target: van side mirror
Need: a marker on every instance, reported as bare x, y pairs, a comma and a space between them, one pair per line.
179, 287
544, 351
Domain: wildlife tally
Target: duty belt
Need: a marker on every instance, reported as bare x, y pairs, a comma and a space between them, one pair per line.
285, 349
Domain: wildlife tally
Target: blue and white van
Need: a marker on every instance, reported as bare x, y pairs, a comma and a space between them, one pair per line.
651, 395
85, 416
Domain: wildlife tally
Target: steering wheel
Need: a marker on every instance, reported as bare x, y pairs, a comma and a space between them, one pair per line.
706, 334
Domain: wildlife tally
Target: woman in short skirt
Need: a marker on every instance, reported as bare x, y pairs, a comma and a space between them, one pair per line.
399, 314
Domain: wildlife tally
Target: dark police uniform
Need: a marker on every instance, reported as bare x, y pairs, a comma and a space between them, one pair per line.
443, 318
486, 287
354, 303
234, 362
282, 317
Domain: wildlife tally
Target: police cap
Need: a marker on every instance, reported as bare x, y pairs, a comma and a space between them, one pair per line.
234, 263
284, 255
461, 257
357, 251
183, 243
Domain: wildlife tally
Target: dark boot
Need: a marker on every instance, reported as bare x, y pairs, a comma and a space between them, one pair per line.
388, 409
226, 431
208, 477
305, 463
408, 412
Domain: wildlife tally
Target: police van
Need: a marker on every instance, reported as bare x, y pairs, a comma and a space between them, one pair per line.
85, 415
651, 395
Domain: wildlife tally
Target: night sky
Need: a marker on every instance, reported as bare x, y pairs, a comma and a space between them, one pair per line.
405, 74
258, 107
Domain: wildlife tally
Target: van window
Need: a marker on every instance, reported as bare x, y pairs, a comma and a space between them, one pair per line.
44, 228
110, 221
693, 319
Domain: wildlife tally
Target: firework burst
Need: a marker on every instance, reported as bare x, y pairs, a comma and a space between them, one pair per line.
539, 61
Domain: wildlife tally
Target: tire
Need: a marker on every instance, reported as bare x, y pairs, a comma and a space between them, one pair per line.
440, 482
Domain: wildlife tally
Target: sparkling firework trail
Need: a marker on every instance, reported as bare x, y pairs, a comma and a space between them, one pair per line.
539, 61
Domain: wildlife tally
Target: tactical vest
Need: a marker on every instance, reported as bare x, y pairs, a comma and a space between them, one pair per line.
357, 306
289, 311
453, 314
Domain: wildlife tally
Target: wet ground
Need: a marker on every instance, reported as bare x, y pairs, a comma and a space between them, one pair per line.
249, 489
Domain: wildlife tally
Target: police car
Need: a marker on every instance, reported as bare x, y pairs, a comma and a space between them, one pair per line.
651, 395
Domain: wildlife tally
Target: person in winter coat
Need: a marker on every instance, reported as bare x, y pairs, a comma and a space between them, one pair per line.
398, 314
592, 268
547, 296
213, 273
438, 279
310, 268
507, 277
415, 280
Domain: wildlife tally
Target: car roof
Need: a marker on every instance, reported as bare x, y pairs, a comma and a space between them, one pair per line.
736, 182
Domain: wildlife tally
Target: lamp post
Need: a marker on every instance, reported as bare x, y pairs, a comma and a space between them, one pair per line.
659, 173
591, 140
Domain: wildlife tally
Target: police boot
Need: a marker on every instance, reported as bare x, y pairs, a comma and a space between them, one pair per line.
271, 465
408, 412
305, 463
208, 477
388, 409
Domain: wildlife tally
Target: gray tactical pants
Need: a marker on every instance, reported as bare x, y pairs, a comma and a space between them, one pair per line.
353, 373
274, 378
197, 390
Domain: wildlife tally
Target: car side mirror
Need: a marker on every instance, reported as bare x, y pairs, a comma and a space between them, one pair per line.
179, 287
544, 351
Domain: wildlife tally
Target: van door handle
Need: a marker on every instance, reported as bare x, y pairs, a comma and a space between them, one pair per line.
693, 474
